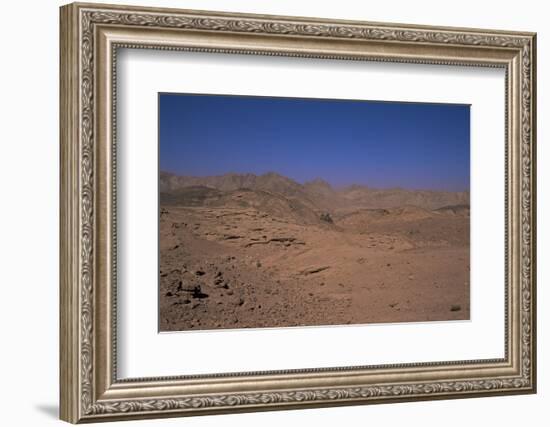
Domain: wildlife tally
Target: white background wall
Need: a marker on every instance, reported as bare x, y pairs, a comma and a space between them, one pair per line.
29, 170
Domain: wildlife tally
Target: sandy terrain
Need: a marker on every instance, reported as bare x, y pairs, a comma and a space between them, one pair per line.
255, 258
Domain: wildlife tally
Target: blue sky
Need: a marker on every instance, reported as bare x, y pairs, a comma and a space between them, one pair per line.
379, 144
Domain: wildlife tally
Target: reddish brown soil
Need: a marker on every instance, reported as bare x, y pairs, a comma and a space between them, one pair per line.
240, 266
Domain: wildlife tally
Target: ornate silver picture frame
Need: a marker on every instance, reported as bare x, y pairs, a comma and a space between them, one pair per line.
91, 36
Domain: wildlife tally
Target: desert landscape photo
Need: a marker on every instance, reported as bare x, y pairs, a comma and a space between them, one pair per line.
279, 212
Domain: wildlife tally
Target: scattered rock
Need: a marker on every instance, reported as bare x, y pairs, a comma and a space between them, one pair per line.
456, 307
232, 237
198, 293
169, 294
313, 270
283, 239
200, 273
325, 216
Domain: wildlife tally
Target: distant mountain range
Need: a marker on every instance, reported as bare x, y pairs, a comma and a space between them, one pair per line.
317, 195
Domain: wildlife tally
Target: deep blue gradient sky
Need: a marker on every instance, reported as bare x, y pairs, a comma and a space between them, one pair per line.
379, 144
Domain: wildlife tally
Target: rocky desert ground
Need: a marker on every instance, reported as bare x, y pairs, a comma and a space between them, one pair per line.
248, 251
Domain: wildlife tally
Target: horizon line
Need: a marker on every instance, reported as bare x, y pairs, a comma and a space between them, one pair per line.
332, 186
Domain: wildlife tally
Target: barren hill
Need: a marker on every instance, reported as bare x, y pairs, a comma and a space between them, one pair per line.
298, 210
395, 197
318, 194
265, 251
229, 182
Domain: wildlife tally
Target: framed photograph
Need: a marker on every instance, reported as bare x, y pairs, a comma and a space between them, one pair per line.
266, 212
